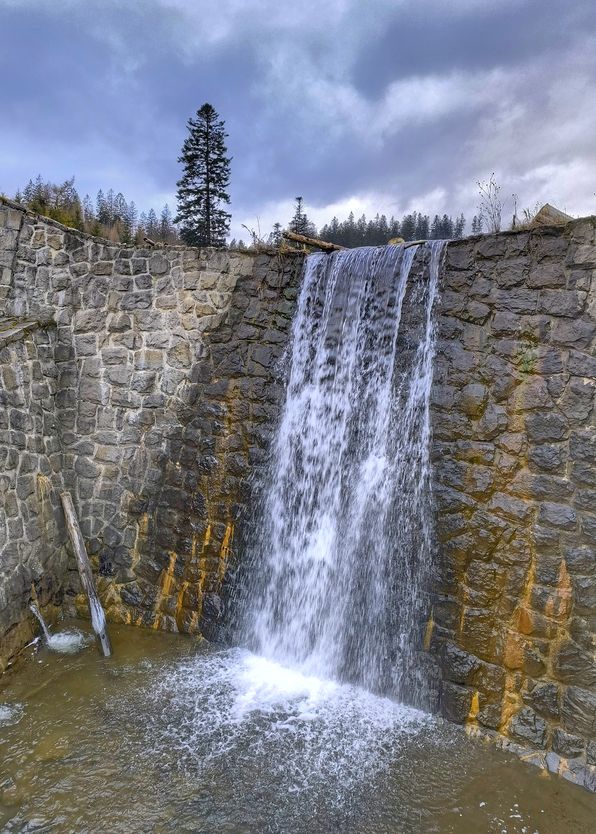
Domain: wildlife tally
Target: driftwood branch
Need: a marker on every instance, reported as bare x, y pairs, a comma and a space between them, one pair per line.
313, 241
98, 617
413, 243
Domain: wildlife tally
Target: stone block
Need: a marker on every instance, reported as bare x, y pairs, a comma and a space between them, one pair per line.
86, 344
148, 359
455, 702
136, 301
574, 333
578, 712
158, 264
572, 664
584, 255
546, 427
528, 728
557, 515
547, 275
473, 400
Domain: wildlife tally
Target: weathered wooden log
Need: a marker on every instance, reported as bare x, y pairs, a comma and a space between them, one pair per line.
413, 243
98, 617
313, 241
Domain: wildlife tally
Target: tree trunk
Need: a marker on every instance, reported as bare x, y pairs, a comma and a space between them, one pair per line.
313, 241
98, 617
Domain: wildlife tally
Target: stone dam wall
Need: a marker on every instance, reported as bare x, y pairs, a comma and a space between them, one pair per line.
147, 382
515, 491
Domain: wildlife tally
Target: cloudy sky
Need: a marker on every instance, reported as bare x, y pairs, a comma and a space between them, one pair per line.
363, 105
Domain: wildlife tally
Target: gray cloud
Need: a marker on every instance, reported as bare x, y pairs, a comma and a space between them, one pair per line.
386, 105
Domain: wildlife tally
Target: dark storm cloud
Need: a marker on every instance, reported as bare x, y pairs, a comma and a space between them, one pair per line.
383, 104
492, 36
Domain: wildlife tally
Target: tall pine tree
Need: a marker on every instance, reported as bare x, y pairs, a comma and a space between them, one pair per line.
202, 190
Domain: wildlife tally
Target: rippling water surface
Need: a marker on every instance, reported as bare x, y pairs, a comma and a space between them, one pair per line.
171, 736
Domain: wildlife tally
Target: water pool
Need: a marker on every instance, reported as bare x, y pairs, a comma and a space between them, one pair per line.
171, 735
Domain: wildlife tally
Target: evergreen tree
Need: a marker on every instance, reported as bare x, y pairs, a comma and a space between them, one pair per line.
203, 186
460, 226
131, 218
167, 230
446, 227
408, 226
477, 224
361, 228
422, 227
275, 236
88, 211
394, 228
300, 224
152, 225
101, 209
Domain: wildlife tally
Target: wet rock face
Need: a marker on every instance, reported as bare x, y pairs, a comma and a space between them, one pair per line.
515, 489
164, 379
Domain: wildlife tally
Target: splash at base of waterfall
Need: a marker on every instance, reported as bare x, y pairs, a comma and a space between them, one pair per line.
310, 731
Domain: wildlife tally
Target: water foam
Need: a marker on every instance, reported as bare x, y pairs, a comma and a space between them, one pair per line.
11, 713
70, 641
301, 731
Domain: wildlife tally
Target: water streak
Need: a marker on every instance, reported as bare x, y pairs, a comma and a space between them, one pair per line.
66, 642
41, 621
343, 549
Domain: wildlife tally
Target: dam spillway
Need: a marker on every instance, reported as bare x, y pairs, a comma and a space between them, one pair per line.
341, 556
149, 383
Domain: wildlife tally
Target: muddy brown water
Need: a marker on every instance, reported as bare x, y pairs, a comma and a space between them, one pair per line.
170, 735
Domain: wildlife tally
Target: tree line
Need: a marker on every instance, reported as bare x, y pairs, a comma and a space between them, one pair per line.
202, 197
110, 215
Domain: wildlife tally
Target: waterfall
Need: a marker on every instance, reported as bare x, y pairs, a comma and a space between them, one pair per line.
342, 551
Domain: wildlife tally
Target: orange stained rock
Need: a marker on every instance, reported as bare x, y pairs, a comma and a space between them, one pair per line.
168, 576
559, 602
165, 589
180, 597
474, 708
525, 622
511, 702
564, 592
428, 632
513, 654
224, 551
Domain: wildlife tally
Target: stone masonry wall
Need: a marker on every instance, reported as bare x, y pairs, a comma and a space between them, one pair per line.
166, 382
515, 488
33, 557
147, 382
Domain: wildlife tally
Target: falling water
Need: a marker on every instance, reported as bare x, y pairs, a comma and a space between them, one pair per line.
343, 553
67, 642
37, 614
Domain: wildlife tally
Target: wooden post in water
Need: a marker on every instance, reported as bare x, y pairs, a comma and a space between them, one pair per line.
98, 617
